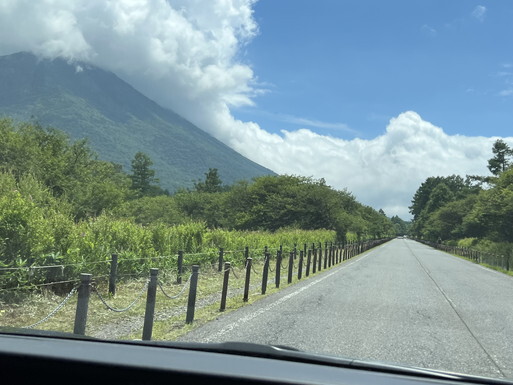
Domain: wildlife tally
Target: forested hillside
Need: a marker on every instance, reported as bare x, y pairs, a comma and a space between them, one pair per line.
473, 211
59, 202
87, 102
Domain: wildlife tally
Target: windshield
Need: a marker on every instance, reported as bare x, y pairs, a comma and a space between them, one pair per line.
331, 176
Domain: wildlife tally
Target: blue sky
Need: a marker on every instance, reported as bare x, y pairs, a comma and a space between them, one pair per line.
356, 64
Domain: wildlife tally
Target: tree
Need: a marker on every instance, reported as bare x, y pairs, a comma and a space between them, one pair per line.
501, 161
143, 176
440, 196
212, 182
447, 222
70, 170
424, 203
401, 226
492, 214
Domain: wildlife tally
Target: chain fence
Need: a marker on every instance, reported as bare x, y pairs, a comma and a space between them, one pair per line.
151, 286
131, 305
234, 273
54, 311
177, 295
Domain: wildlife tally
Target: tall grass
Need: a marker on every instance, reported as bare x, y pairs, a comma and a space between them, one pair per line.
87, 247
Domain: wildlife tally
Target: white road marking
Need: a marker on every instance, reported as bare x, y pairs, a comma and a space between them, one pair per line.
237, 324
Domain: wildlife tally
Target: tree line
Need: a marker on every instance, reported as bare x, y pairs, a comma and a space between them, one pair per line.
50, 184
470, 211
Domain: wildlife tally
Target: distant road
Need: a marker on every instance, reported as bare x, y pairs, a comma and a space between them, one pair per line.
402, 302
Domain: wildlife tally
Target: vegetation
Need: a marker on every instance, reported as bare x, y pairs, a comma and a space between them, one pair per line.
59, 204
472, 212
117, 120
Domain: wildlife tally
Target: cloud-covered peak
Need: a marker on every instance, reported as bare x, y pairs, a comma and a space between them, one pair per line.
189, 47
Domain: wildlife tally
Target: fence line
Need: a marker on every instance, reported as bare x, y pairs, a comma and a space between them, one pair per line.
330, 256
60, 265
504, 262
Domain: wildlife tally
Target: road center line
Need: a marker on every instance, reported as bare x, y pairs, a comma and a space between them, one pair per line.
452, 305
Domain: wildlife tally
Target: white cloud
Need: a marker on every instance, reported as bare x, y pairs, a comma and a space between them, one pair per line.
429, 31
479, 13
184, 55
383, 172
185, 46
305, 122
507, 92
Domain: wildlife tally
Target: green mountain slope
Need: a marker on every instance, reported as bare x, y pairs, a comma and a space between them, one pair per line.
118, 121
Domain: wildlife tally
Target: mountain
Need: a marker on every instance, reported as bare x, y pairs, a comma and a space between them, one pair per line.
88, 102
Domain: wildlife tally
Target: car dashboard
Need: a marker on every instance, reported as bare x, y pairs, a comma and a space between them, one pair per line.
33, 358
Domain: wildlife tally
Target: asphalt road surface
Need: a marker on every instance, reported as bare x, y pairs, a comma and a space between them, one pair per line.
402, 302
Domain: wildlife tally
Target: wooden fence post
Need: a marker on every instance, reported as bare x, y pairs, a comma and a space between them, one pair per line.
113, 273
150, 305
319, 267
191, 303
300, 266
314, 262
180, 267
325, 255
278, 269
82, 304
224, 293
308, 261
248, 278
221, 260
265, 272
291, 266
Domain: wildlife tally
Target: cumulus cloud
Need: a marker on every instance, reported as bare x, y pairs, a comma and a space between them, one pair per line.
479, 13
185, 54
180, 53
385, 171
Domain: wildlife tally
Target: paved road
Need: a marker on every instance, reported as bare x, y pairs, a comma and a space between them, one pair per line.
402, 302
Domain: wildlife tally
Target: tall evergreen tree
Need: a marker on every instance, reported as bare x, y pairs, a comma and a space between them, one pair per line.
212, 182
143, 176
501, 161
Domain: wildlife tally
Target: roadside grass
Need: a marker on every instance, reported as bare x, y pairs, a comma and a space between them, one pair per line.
175, 327
169, 320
